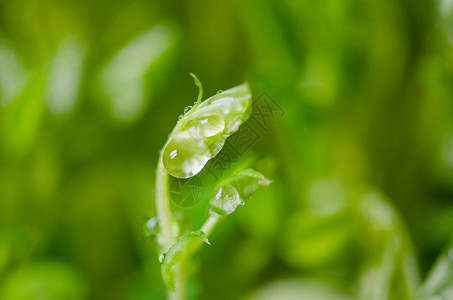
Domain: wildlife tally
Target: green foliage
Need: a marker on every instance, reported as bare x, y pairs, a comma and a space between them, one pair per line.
361, 160
47, 280
169, 258
439, 283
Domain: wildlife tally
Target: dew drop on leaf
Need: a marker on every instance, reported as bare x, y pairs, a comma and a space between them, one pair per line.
187, 108
185, 156
225, 200
207, 126
232, 192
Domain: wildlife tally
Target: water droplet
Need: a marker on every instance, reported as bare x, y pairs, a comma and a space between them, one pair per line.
180, 116
242, 203
151, 223
185, 156
207, 126
187, 108
219, 91
189, 150
161, 257
225, 200
150, 229
264, 182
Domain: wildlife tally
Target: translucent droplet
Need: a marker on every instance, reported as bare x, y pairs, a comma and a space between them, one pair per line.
215, 146
180, 116
185, 156
226, 200
151, 224
187, 108
207, 126
150, 229
161, 257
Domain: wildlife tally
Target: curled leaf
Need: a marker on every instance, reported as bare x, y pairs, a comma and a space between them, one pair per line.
233, 191
170, 258
201, 132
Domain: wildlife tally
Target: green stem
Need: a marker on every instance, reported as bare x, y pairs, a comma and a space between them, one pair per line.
164, 215
210, 223
166, 227
207, 228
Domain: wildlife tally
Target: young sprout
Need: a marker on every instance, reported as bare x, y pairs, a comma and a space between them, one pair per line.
201, 132
198, 136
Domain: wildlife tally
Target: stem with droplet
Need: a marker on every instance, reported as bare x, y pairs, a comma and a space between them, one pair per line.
166, 225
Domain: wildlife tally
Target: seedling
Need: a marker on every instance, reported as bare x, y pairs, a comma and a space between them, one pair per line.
198, 136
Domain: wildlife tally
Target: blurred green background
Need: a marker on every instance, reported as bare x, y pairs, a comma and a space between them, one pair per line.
362, 161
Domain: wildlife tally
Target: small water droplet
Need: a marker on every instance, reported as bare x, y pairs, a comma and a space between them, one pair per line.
151, 223
219, 91
242, 203
187, 108
264, 182
150, 229
225, 200
180, 116
161, 257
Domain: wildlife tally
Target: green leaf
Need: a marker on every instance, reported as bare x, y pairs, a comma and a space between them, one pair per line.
201, 132
170, 258
233, 191
439, 284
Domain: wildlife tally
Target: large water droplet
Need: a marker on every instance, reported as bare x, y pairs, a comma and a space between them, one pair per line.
185, 156
207, 126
